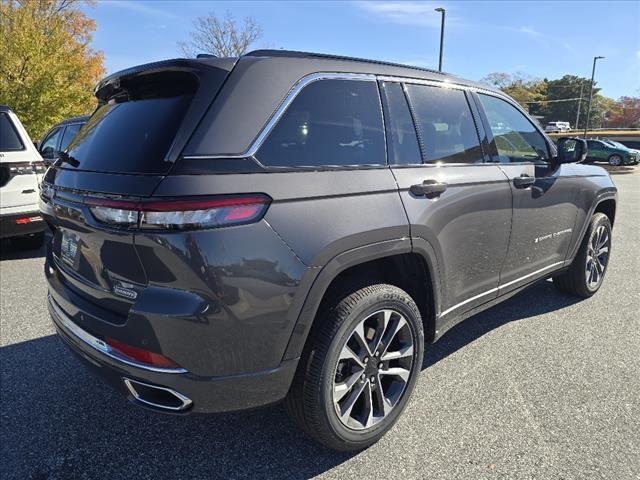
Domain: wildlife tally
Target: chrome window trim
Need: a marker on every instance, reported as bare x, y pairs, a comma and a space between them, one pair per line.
250, 153
100, 345
499, 287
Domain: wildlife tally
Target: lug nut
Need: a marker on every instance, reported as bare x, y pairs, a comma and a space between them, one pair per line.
380, 365
377, 354
363, 376
372, 379
366, 359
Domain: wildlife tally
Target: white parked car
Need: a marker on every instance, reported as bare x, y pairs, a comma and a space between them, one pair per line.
21, 169
557, 127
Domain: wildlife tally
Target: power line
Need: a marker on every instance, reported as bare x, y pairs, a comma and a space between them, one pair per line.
554, 101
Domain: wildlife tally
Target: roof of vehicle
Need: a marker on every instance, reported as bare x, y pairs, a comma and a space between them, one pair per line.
385, 67
78, 119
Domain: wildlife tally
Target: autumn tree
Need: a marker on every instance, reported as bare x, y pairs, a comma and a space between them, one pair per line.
625, 113
47, 67
221, 36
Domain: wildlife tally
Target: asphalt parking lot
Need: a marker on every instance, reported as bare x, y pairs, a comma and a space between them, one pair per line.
541, 386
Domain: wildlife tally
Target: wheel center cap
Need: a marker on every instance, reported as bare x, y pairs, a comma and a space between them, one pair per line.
371, 369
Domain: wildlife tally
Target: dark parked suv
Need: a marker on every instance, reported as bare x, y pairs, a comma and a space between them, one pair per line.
232, 232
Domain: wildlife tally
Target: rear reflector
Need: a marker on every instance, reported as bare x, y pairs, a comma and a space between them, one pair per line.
180, 214
140, 355
25, 220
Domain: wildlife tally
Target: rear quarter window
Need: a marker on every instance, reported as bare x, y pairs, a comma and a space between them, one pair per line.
329, 123
9, 138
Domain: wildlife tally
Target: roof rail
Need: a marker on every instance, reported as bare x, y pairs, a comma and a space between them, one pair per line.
298, 54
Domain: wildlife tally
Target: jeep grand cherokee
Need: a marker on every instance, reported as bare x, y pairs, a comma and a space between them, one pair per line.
233, 232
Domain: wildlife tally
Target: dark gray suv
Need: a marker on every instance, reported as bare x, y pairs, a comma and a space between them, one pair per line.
233, 232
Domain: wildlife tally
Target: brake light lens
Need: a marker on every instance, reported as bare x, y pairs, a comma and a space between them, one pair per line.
21, 168
39, 167
181, 214
141, 355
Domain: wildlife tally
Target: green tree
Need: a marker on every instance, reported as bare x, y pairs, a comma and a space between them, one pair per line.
519, 87
47, 66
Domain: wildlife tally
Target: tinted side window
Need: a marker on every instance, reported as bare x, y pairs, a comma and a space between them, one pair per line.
69, 132
9, 139
445, 124
50, 143
402, 143
330, 122
517, 140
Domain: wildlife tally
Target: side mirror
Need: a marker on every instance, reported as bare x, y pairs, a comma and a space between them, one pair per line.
37, 145
48, 152
571, 150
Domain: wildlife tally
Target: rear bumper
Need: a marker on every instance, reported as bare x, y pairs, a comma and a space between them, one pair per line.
204, 394
9, 227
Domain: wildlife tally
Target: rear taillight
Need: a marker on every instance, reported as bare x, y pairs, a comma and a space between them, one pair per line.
39, 167
180, 214
141, 355
21, 168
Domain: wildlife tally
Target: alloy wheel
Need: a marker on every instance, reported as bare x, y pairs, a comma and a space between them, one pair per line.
615, 160
597, 256
373, 369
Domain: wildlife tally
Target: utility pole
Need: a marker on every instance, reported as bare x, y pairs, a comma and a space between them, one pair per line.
593, 73
442, 11
579, 104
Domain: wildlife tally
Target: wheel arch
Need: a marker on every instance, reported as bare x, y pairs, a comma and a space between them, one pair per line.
605, 202
608, 207
396, 262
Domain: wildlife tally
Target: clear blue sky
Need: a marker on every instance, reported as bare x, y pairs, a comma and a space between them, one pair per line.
540, 39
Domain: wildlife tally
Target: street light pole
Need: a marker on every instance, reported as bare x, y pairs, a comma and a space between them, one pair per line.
442, 11
593, 73
579, 104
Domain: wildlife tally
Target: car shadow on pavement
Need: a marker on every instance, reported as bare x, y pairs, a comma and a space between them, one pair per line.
8, 252
538, 299
59, 422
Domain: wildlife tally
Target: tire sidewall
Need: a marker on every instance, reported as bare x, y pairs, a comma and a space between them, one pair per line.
390, 298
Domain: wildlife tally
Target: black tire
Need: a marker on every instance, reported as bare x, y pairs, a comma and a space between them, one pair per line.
28, 242
310, 401
575, 280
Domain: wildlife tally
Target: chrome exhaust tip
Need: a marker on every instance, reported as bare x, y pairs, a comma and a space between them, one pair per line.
157, 397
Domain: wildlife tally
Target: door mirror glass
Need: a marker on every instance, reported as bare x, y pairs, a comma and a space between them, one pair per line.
48, 152
571, 150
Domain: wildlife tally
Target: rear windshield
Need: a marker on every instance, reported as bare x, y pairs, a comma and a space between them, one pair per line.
9, 139
129, 137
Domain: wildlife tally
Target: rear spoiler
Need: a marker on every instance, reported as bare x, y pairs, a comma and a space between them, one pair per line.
118, 82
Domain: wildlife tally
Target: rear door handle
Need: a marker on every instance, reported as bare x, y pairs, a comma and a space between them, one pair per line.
523, 181
428, 188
